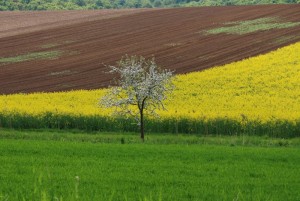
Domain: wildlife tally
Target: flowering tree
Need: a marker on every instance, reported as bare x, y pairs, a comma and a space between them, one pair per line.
142, 87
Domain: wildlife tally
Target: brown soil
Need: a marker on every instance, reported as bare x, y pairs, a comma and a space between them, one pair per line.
173, 36
15, 23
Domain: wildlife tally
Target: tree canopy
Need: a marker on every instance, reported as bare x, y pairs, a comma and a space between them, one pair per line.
141, 88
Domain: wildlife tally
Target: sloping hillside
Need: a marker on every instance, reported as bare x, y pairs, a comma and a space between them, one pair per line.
72, 55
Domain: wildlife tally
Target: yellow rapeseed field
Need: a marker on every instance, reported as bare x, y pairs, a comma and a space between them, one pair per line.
262, 89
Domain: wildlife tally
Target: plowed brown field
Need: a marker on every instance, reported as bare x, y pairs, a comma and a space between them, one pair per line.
15, 23
173, 36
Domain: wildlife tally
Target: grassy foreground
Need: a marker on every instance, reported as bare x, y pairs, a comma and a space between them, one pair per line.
56, 165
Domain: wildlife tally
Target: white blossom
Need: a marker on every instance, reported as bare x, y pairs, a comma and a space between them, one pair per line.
142, 85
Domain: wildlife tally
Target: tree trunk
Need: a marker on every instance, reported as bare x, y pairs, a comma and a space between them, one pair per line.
142, 124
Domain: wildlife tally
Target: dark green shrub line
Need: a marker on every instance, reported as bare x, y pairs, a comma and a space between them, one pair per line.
116, 4
220, 126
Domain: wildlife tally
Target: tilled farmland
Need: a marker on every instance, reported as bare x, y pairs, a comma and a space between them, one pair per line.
65, 50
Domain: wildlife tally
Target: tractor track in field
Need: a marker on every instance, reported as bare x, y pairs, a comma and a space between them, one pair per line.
174, 36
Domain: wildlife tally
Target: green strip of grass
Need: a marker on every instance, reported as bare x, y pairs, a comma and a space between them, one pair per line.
64, 170
31, 56
285, 39
150, 138
49, 45
52, 45
219, 126
250, 26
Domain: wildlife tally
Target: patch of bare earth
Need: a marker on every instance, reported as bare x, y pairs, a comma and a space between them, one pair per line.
174, 36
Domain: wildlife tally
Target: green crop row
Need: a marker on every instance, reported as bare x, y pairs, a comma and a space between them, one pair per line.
220, 126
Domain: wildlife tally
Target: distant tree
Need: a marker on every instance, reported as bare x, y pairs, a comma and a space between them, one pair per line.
157, 4
142, 87
169, 2
79, 2
99, 3
132, 4
106, 4
146, 4
25, 1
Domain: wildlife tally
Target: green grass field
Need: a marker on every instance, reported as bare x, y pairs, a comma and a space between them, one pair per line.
31, 56
250, 26
60, 165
